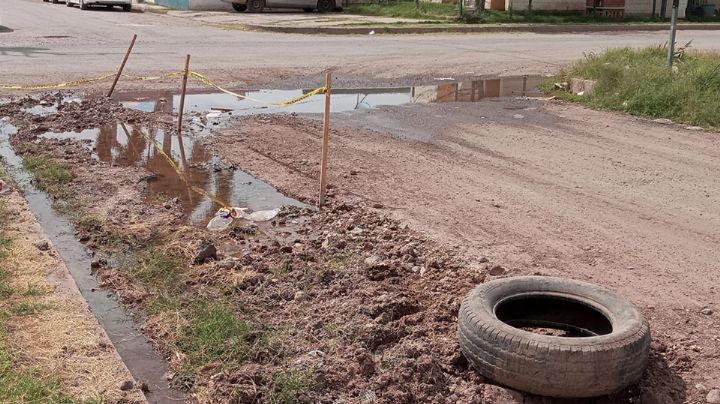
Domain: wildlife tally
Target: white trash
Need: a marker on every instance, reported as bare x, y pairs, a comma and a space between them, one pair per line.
260, 215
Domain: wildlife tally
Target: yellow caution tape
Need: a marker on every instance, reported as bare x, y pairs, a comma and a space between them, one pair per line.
291, 101
181, 175
58, 85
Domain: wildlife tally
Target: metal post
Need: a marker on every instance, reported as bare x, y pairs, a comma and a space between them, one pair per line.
325, 139
182, 96
122, 65
673, 29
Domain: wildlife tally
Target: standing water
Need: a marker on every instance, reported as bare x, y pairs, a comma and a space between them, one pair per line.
138, 354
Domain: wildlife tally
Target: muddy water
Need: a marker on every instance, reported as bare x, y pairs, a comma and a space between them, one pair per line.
137, 353
343, 100
126, 145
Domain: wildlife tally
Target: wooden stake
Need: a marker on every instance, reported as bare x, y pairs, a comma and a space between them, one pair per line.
326, 135
122, 65
182, 95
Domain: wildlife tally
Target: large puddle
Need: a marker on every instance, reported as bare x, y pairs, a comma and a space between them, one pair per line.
343, 100
134, 349
193, 166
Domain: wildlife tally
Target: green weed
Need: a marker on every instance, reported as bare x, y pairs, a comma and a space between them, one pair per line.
638, 82
288, 385
157, 270
32, 290
23, 309
50, 176
215, 332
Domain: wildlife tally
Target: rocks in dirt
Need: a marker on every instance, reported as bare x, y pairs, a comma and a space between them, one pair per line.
171, 203
380, 271
98, 263
483, 259
663, 121
499, 395
695, 128
706, 311
377, 205
713, 397
497, 270
142, 386
127, 385
206, 252
300, 296
42, 245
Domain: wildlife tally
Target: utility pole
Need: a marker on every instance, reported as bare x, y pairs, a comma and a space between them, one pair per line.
673, 29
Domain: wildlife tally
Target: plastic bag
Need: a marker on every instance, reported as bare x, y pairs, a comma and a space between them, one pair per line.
261, 215
219, 223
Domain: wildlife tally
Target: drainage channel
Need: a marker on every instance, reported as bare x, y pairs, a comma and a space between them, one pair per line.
139, 356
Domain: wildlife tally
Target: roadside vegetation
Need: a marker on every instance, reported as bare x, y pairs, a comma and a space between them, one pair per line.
638, 81
439, 12
19, 385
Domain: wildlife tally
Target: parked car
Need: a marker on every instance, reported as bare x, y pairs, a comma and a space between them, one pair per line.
85, 4
256, 6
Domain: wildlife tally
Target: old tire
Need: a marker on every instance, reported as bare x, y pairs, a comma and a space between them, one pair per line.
325, 6
239, 7
255, 6
612, 354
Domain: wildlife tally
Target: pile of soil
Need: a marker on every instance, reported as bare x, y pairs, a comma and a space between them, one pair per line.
364, 304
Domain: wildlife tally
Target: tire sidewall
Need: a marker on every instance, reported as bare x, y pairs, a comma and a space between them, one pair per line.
552, 365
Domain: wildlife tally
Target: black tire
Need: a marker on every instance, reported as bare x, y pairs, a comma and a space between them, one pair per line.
55, 1
127, 8
239, 7
83, 5
325, 6
68, 4
612, 354
255, 6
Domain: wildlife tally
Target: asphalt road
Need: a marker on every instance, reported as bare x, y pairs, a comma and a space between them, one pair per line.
53, 43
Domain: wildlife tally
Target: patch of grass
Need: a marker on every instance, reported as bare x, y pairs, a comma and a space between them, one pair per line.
288, 385
406, 9
215, 333
32, 290
50, 176
88, 223
449, 13
5, 289
23, 309
26, 386
637, 81
545, 17
157, 270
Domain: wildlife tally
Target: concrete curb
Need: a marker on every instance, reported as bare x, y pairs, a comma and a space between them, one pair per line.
463, 29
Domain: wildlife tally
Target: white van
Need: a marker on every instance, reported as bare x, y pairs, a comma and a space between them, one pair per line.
256, 6
85, 4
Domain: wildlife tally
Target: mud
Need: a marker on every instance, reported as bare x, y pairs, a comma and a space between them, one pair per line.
359, 301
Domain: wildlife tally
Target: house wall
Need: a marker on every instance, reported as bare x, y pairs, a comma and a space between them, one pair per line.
206, 5
209, 5
546, 5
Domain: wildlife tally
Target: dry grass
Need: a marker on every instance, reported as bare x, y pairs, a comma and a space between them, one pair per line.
49, 329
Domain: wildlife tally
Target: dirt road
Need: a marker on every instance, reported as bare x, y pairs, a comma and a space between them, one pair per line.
539, 188
70, 43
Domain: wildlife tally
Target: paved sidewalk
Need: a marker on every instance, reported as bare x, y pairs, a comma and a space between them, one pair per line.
343, 23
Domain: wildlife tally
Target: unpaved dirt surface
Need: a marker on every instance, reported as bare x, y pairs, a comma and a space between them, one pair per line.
351, 297
62, 339
540, 188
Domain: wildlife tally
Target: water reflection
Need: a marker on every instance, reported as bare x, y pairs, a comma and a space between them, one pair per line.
192, 166
343, 99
